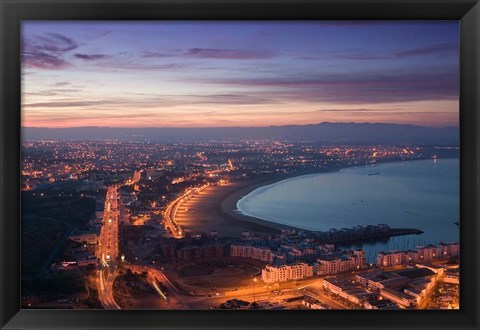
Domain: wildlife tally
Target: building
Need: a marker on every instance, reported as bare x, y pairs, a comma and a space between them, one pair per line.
451, 276
421, 254
429, 252
213, 251
437, 269
450, 249
391, 259
334, 266
137, 175
91, 238
360, 260
87, 261
313, 303
252, 252
337, 285
378, 279
151, 174
354, 260
365, 277
294, 254
205, 251
347, 290
379, 304
272, 274
398, 297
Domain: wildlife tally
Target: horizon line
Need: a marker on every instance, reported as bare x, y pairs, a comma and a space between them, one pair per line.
207, 127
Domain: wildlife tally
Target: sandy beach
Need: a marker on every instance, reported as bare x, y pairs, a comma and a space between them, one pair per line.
204, 213
214, 209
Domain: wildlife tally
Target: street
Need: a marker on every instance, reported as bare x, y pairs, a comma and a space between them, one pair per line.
172, 208
108, 249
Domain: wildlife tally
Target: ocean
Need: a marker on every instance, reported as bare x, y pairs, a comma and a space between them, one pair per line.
421, 194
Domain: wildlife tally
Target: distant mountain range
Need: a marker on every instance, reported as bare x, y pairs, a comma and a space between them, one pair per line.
322, 132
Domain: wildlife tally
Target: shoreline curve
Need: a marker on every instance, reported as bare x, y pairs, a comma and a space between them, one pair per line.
228, 206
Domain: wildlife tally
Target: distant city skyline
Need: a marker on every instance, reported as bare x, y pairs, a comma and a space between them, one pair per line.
239, 74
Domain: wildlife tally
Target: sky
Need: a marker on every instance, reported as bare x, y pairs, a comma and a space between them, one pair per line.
239, 73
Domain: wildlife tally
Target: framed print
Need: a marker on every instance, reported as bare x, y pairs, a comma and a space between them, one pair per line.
237, 164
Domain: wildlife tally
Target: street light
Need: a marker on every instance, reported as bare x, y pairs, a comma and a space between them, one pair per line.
254, 282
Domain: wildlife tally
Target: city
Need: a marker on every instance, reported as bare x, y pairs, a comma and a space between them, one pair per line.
194, 165
155, 231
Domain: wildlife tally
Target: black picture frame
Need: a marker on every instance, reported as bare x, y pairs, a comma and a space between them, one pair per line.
14, 11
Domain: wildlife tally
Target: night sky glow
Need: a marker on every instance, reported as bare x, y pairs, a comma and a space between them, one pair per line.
211, 74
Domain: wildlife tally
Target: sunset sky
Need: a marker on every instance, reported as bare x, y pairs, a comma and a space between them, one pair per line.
204, 74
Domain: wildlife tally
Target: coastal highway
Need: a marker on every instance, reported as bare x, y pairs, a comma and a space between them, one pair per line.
108, 249
172, 209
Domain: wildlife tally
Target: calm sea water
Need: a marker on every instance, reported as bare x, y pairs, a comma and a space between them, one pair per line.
414, 194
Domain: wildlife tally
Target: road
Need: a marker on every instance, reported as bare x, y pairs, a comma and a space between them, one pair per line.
173, 296
272, 293
105, 292
108, 252
310, 286
108, 256
172, 209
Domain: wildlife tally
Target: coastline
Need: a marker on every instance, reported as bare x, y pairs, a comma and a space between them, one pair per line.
203, 213
228, 206
216, 208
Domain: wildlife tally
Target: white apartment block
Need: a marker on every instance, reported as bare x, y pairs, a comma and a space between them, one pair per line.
339, 265
450, 250
421, 254
272, 274
390, 259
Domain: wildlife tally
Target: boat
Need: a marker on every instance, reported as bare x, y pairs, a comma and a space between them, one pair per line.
377, 173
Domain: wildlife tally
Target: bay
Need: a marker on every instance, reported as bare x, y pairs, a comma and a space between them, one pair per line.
420, 194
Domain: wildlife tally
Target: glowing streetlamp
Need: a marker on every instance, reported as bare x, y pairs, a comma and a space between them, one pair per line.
254, 282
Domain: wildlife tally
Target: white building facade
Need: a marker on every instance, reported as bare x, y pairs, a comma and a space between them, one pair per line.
272, 274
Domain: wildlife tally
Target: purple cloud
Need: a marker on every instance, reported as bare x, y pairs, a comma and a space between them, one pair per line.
54, 42
213, 53
47, 51
363, 57
227, 54
251, 98
91, 57
386, 111
155, 54
54, 92
99, 34
42, 60
62, 104
365, 87
429, 50
353, 110
350, 54
61, 84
